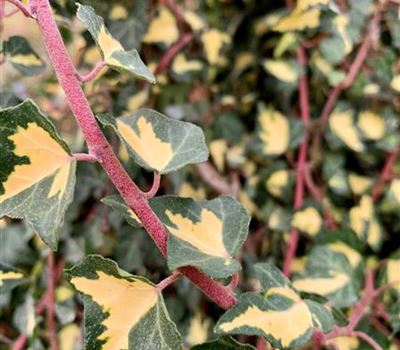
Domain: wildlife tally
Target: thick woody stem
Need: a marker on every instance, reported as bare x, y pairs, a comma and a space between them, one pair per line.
99, 146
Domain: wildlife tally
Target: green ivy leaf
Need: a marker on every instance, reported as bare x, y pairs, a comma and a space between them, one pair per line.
122, 311
118, 204
21, 55
157, 142
204, 234
277, 313
223, 343
37, 171
112, 51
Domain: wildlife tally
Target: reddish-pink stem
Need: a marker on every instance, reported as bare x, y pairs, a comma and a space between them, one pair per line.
172, 52
234, 282
385, 175
169, 280
367, 339
20, 343
301, 159
93, 73
20, 6
154, 187
99, 146
211, 176
261, 344
85, 157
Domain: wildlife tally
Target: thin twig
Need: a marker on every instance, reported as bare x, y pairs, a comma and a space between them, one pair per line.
172, 52
301, 158
176, 275
93, 73
85, 157
386, 174
367, 339
154, 187
25, 10
211, 176
234, 282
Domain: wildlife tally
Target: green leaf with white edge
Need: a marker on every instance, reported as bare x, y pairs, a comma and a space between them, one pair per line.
328, 273
20, 54
223, 343
37, 170
10, 278
205, 234
157, 142
114, 55
277, 312
122, 311
119, 206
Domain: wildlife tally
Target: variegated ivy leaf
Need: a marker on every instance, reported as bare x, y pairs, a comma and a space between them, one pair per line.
223, 343
112, 51
277, 313
122, 311
118, 204
37, 171
157, 142
204, 234
20, 54
10, 278
392, 271
328, 273
286, 71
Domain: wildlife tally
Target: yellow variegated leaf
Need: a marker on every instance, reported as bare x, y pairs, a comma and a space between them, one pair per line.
181, 65
138, 100
213, 42
346, 343
371, 89
284, 326
302, 5
299, 21
277, 182
69, 337
342, 125
118, 12
282, 70
352, 255
395, 83
188, 191
392, 272
218, 149
9, 275
119, 307
157, 142
203, 234
162, 28
198, 329
323, 285
114, 54
275, 131
341, 23
195, 21
364, 222
372, 125
37, 170
359, 184
394, 191
307, 220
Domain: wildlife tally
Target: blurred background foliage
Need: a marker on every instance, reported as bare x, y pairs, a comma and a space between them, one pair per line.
235, 74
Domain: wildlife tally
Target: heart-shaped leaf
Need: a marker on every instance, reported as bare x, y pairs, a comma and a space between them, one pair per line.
122, 311
37, 171
157, 142
204, 234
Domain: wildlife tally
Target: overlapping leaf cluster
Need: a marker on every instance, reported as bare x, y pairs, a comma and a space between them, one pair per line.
230, 95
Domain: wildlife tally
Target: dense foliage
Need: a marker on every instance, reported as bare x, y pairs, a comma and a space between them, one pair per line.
267, 134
